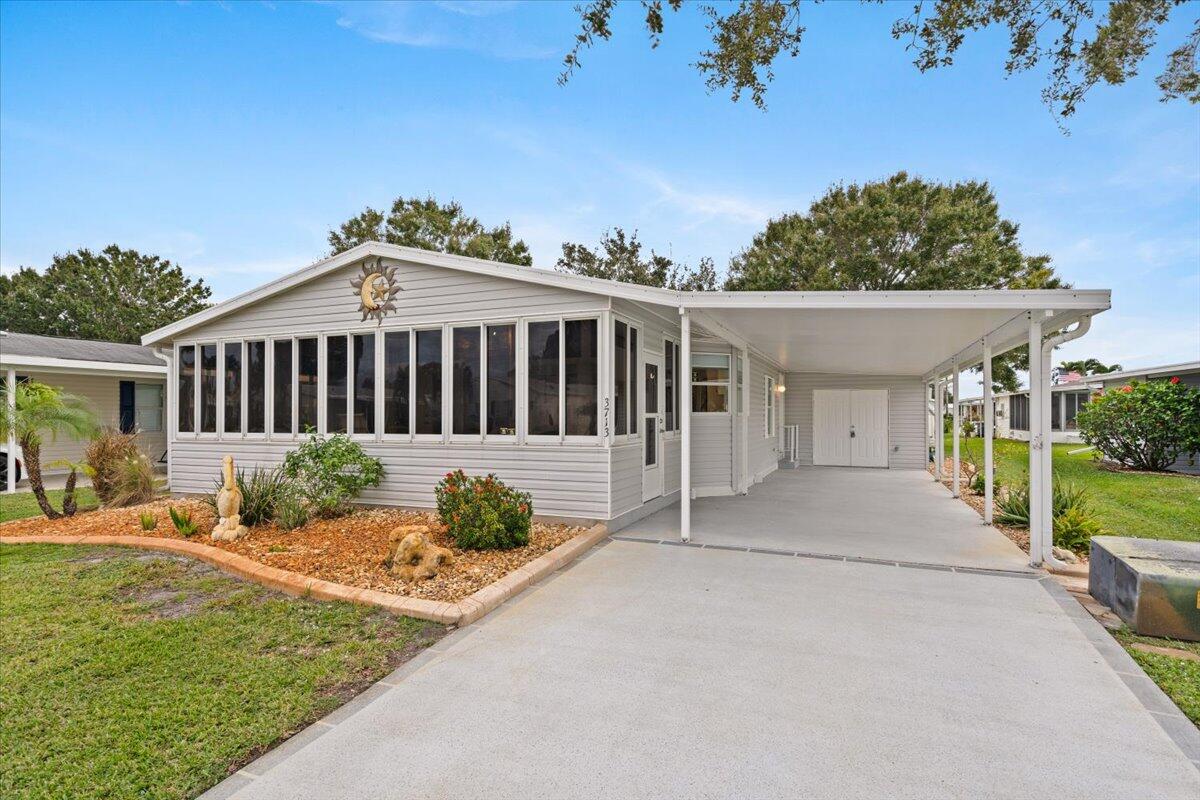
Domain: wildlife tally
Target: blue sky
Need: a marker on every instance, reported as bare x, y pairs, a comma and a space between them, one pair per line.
231, 137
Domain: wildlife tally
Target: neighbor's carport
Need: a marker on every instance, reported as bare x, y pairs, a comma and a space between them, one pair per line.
931, 336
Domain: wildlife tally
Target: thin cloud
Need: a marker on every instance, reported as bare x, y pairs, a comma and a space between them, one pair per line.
703, 205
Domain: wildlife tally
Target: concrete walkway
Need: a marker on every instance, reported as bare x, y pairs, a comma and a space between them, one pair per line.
895, 515
647, 670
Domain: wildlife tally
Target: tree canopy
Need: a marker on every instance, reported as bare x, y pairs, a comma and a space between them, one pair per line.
1089, 366
898, 233
430, 225
619, 258
114, 295
748, 36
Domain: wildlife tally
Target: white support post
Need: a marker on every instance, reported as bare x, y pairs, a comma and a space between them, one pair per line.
744, 422
10, 396
956, 468
684, 371
989, 425
1046, 498
1036, 441
939, 445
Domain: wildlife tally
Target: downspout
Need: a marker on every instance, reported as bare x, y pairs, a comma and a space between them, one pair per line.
1047, 515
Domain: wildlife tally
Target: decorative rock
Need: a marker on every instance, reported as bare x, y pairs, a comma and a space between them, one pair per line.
412, 556
1065, 555
229, 506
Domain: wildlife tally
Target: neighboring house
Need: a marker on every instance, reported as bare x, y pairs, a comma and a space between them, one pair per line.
570, 387
1012, 408
125, 384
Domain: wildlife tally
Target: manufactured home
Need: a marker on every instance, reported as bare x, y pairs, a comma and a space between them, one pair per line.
606, 401
123, 384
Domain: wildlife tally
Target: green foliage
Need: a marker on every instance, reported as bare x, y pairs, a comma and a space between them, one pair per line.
148, 521
291, 511
178, 673
749, 35
331, 472
183, 522
1143, 425
482, 513
898, 233
619, 258
104, 454
430, 225
261, 491
114, 295
1074, 529
1088, 366
1074, 521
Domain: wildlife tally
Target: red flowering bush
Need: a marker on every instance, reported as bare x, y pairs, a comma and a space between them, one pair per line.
1144, 425
482, 513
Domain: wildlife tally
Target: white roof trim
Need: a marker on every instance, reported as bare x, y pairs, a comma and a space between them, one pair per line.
50, 364
1097, 299
1165, 369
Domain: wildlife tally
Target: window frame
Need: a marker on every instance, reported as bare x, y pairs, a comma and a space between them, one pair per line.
449, 397
246, 434
770, 408
381, 365
445, 377
162, 407
633, 382
222, 366
523, 380
508, 438
220, 390
272, 435
727, 383
376, 394
174, 411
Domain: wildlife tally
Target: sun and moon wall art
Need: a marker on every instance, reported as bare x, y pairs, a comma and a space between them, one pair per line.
377, 289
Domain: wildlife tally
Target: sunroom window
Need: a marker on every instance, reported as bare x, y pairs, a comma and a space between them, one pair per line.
562, 378
710, 383
186, 384
306, 384
429, 382
233, 387
501, 380
208, 388
281, 392
256, 387
362, 383
467, 358
395, 382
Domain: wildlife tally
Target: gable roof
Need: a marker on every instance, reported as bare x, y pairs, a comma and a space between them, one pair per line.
720, 313
18, 347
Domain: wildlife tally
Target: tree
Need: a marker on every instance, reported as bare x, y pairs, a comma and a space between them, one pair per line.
750, 35
39, 410
899, 233
430, 225
619, 258
1088, 366
114, 295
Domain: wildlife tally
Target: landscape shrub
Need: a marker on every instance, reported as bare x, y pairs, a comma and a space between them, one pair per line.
183, 522
133, 481
482, 513
331, 472
148, 521
261, 490
1074, 522
104, 455
291, 511
1143, 425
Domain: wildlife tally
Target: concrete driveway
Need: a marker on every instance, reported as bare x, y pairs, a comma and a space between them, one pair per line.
647, 670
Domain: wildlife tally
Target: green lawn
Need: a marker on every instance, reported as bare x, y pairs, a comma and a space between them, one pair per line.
1153, 506
126, 674
1179, 678
23, 504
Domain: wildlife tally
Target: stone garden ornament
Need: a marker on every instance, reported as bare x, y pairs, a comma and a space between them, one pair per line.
377, 289
229, 507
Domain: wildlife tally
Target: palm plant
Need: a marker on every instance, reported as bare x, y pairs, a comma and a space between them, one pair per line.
34, 411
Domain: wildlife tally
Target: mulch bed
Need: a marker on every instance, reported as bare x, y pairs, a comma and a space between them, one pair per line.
349, 550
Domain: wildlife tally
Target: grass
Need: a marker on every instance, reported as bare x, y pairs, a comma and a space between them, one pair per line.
23, 504
1152, 506
1178, 677
126, 674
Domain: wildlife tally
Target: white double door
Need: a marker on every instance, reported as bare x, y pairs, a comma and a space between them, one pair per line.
850, 427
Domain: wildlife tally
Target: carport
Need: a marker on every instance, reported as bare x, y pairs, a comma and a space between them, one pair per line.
930, 337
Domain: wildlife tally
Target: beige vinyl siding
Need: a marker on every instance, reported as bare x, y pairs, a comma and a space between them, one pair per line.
626, 477
906, 412
712, 451
103, 395
764, 451
429, 295
564, 480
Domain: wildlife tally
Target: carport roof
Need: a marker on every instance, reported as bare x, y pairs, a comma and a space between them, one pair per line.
885, 333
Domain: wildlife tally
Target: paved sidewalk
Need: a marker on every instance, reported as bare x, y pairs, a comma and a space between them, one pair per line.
649, 670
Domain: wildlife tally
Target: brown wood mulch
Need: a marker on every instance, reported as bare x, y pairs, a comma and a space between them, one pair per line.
349, 550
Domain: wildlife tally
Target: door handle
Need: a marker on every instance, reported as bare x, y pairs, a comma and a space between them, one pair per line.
851, 431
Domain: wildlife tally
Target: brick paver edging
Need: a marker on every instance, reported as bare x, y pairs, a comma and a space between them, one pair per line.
463, 612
